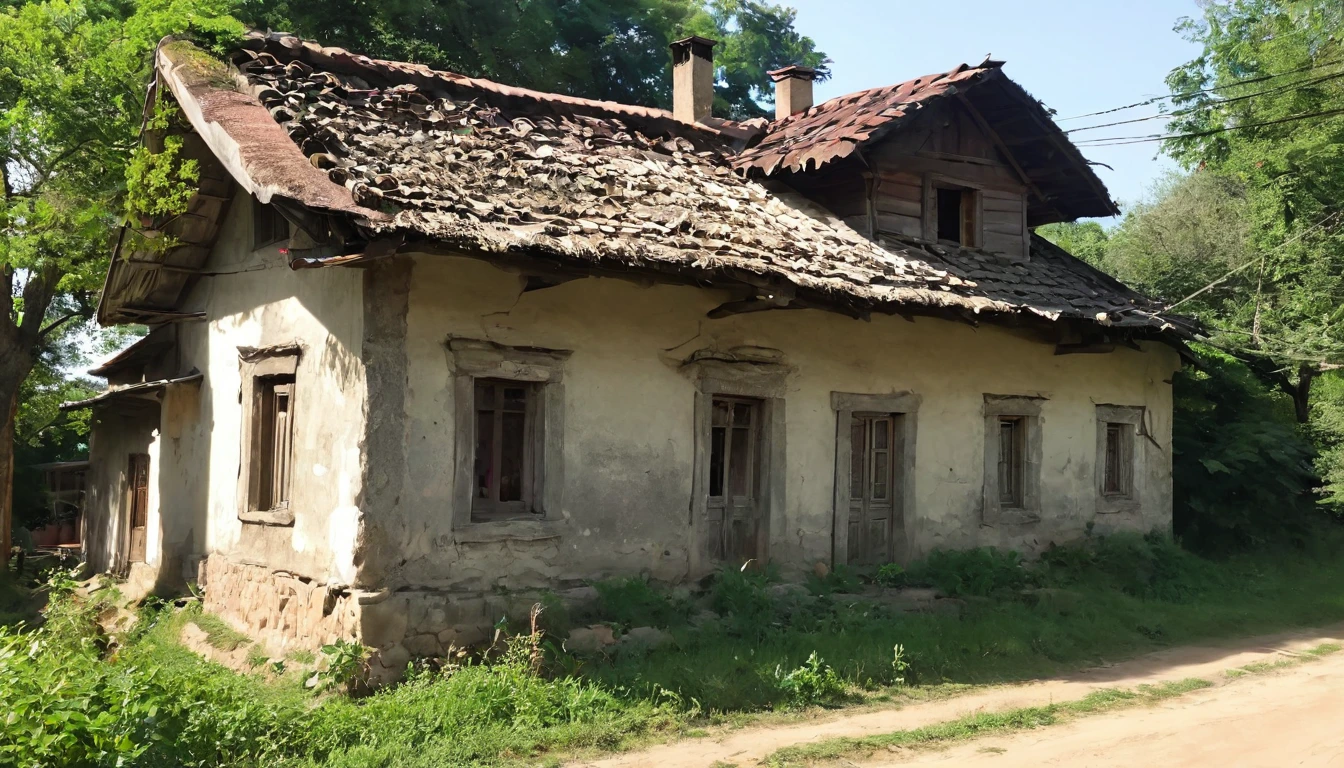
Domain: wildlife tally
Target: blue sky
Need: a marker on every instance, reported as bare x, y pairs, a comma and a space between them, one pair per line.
1077, 57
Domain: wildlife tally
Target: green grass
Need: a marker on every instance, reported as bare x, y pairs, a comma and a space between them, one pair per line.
218, 633
984, 724
1119, 597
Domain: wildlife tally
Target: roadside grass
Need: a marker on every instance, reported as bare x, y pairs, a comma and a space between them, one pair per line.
218, 633
763, 651
983, 724
1116, 599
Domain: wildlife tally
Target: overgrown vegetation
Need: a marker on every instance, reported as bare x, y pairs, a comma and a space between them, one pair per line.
747, 644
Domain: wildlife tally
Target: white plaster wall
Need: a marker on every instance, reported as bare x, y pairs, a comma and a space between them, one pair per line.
628, 424
115, 435
260, 302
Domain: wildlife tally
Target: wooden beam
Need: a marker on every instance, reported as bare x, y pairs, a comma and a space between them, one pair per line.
998, 142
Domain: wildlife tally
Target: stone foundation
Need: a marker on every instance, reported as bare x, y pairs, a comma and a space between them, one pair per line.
277, 608
284, 611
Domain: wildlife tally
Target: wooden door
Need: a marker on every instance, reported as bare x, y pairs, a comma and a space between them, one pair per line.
138, 492
874, 493
735, 503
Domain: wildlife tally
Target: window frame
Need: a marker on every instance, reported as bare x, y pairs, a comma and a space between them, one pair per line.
526, 507
542, 370
260, 370
1025, 506
971, 214
1131, 419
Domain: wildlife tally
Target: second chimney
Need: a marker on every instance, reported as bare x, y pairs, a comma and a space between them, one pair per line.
793, 90
693, 79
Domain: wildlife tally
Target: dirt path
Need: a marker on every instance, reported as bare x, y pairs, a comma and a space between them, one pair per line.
747, 746
1290, 717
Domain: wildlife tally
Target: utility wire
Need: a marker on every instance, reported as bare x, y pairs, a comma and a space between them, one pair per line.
1212, 89
1142, 139
1276, 248
1215, 104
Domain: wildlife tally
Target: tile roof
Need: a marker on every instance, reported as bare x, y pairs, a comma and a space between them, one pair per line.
833, 129
440, 158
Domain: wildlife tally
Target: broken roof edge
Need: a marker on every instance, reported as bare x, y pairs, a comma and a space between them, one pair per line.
131, 390
336, 59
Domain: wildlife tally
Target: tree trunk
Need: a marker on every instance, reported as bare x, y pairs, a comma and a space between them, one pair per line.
11, 410
19, 340
1302, 393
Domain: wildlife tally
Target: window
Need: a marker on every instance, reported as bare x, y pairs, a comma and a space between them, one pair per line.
273, 436
266, 478
505, 426
1115, 481
268, 225
275, 395
1119, 446
956, 216
1012, 485
1012, 461
509, 438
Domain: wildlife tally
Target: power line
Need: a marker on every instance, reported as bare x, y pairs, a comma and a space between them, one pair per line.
1215, 105
1212, 89
1276, 248
1113, 141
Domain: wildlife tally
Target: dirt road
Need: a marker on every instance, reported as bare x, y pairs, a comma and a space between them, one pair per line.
1289, 717
1244, 713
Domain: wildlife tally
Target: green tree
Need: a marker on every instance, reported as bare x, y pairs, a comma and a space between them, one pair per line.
72, 77
1280, 142
602, 49
1085, 239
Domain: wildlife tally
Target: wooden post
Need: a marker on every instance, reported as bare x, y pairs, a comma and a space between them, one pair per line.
7, 480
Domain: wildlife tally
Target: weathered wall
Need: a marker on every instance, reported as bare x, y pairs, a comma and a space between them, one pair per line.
628, 438
254, 300
117, 432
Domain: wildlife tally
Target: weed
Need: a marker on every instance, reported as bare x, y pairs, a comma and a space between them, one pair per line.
890, 575
633, 602
899, 666
812, 683
977, 572
841, 579
347, 661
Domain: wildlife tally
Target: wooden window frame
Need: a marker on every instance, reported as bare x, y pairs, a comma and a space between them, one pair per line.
526, 507
261, 371
1130, 419
971, 215
267, 223
542, 370
1025, 507
845, 405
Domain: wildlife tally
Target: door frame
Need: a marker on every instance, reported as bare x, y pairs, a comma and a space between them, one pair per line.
845, 405
129, 510
762, 382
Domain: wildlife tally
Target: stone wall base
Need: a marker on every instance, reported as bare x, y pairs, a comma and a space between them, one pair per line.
283, 611
276, 608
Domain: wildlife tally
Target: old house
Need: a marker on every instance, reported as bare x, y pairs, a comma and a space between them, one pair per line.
422, 341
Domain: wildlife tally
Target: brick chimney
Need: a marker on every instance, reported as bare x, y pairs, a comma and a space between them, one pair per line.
693, 79
793, 89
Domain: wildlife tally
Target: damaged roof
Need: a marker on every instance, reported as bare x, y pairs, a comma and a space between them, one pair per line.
1064, 184
426, 158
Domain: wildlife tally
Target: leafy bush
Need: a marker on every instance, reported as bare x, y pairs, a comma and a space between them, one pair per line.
979, 572
633, 602
1241, 463
346, 660
890, 575
841, 578
812, 683
1151, 566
